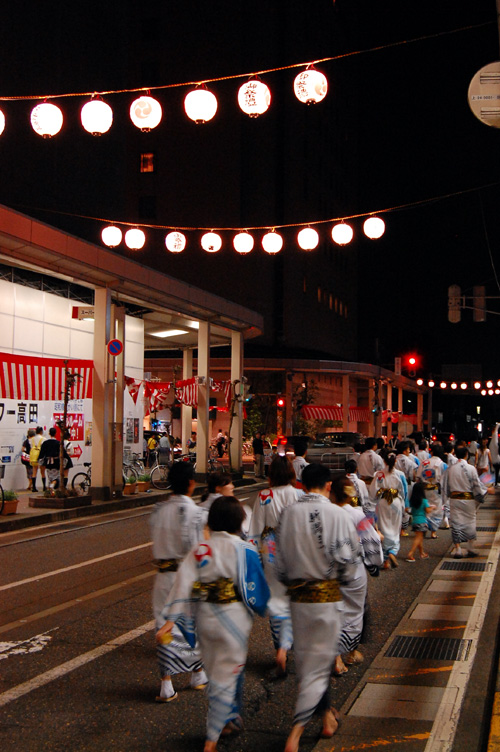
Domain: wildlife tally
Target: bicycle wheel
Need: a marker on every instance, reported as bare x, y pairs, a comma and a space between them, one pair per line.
159, 477
80, 484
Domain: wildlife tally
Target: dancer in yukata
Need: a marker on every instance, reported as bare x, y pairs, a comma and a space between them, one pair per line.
431, 473
317, 551
218, 588
390, 490
354, 594
269, 505
176, 526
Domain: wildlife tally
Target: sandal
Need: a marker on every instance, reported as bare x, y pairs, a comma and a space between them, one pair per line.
424, 556
409, 558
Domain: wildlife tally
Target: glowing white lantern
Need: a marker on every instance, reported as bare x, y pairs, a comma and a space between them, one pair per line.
490, 392
46, 119
483, 392
96, 117
374, 228
272, 242
489, 384
243, 242
477, 385
463, 385
2, 122
431, 384
454, 385
175, 242
342, 233
211, 242
145, 113
443, 385
135, 239
308, 239
420, 382
310, 86
111, 236
200, 105
254, 98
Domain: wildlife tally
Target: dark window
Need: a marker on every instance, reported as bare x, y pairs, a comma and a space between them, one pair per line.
148, 162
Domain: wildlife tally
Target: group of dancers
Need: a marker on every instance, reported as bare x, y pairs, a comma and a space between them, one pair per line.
299, 556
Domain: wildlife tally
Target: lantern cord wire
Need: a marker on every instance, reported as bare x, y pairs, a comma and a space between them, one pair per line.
148, 89
213, 228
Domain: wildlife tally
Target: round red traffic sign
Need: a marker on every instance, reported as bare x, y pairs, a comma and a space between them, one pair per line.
115, 347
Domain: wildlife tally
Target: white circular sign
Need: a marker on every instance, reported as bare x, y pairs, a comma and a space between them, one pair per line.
484, 94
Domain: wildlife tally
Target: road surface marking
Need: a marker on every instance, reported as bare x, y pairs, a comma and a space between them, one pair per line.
65, 668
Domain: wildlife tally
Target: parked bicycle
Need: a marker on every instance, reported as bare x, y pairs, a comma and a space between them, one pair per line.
2, 498
82, 481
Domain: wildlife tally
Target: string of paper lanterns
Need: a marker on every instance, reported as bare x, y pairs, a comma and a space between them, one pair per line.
243, 242
200, 105
484, 388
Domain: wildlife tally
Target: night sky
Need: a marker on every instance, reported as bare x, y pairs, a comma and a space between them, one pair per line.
403, 111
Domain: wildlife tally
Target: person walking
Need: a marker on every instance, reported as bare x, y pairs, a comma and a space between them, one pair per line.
463, 490
483, 458
419, 509
369, 461
25, 458
495, 455
36, 442
49, 459
390, 491
317, 547
258, 455
220, 443
300, 462
177, 525
267, 510
218, 588
430, 473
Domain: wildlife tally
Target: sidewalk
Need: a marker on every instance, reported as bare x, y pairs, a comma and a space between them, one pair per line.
27, 516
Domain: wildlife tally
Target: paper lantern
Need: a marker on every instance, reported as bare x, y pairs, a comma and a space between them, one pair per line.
432, 383
175, 242
135, 239
96, 117
145, 113
272, 242
454, 385
200, 105
477, 385
111, 236
310, 86
374, 228
308, 239
2, 122
254, 98
46, 119
243, 243
342, 233
489, 384
443, 385
211, 242
463, 385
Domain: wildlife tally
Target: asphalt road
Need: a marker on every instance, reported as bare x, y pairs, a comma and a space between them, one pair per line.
68, 589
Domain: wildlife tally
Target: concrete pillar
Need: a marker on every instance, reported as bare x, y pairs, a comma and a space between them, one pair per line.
371, 404
400, 406
119, 368
102, 398
345, 402
288, 404
389, 410
420, 412
186, 410
203, 428
236, 435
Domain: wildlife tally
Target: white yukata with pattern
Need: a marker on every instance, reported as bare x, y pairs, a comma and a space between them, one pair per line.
462, 478
222, 629
268, 506
431, 473
364, 498
176, 526
390, 514
316, 541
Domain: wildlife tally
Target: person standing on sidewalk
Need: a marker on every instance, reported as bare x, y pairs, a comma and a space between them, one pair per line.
463, 490
36, 442
317, 549
258, 455
176, 526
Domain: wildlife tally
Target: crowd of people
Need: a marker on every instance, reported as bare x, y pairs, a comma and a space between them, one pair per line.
42, 453
300, 555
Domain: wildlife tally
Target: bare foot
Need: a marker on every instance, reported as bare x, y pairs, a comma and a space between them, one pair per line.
210, 746
339, 666
394, 561
281, 660
330, 723
292, 743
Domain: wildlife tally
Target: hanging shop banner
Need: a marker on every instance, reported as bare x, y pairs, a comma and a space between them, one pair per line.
24, 377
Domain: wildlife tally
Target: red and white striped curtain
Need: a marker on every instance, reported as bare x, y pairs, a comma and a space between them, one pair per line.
360, 414
223, 386
29, 378
156, 395
186, 391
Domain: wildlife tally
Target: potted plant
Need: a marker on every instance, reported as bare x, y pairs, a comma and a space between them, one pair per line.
10, 502
130, 486
143, 482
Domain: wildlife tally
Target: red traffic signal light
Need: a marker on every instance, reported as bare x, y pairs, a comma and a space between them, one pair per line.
412, 363
280, 402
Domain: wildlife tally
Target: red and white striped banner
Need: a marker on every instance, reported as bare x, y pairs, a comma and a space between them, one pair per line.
133, 386
187, 391
322, 412
27, 378
360, 414
223, 386
156, 395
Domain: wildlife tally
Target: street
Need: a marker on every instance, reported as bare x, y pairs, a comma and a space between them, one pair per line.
77, 645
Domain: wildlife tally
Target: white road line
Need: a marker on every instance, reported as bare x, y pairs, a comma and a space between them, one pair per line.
65, 668
87, 563
73, 602
445, 724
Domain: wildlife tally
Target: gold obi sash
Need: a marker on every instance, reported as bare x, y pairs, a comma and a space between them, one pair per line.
166, 565
222, 590
354, 501
389, 494
314, 591
267, 531
431, 487
461, 495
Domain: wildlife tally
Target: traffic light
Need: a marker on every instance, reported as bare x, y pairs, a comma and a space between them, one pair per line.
280, 402
454, 304
479, 303
411, 362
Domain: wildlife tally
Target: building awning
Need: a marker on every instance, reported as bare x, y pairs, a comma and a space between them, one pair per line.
24, 377
335, 412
